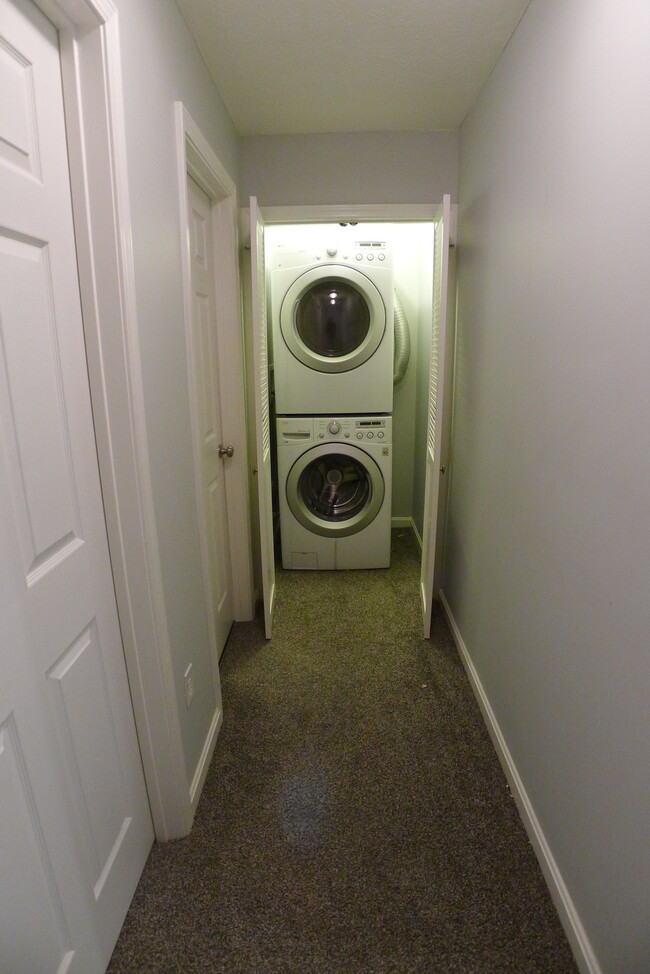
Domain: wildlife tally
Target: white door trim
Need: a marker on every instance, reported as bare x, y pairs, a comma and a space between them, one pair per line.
373, 212
261, 413
379, 213
195, 158
92, 82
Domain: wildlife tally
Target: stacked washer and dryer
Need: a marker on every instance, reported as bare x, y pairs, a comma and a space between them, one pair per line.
332, 321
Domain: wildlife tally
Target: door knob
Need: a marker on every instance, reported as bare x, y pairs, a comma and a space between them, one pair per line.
226, 451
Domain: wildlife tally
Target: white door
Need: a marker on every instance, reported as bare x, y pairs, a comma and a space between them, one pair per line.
435, 423
262, 417
75, 828
210, 453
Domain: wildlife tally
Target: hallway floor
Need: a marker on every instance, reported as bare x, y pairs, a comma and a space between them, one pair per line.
355, 818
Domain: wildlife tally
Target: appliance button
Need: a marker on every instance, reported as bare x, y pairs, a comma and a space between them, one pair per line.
359, 256
380, 435
370, 435
331, 251
371, 256
359, 436
381, 256
347, 436
321, 436
334, 428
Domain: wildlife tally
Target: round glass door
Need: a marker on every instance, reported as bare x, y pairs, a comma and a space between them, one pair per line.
335, 491
333, 318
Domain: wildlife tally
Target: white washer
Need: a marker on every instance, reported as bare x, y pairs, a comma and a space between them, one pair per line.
332, 321
335, 486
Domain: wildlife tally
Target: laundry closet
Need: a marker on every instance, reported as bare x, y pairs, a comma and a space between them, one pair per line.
349, 418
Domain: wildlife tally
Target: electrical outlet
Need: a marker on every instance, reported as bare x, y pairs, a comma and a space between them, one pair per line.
188, 680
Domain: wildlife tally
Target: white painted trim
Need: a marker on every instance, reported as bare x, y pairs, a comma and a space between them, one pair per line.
192, 354
92, 79
377, 213
381, 212
233, 395
409, 523
576, 935
206, 756
195, 157
366, 212
202, 163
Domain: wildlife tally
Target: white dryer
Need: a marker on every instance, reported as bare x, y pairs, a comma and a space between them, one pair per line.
332, 323
335, 486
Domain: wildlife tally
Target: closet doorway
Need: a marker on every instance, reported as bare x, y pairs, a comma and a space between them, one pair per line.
421, 239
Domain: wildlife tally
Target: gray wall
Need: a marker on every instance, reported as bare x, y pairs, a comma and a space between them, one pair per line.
160, 65
352, 167
548, 554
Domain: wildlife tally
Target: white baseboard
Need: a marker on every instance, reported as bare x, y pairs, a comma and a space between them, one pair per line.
407, 522
198, 779
576, 935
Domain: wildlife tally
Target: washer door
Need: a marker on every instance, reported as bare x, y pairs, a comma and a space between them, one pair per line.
333, 318
335, 490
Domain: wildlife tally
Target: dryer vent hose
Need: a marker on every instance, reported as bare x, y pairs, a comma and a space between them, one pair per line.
402, 340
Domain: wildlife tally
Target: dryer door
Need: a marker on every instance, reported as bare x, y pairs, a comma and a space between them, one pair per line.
335, 490
333, 318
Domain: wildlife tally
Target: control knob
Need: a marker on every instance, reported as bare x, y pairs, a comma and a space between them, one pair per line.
334, 428
331, 250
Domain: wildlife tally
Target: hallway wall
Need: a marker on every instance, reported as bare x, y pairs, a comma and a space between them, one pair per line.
349, 167
548, 554
161, 64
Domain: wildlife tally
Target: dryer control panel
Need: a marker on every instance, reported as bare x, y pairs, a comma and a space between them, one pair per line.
360, 252
357, 253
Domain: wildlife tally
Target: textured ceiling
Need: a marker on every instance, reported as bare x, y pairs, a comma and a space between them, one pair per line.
296, 66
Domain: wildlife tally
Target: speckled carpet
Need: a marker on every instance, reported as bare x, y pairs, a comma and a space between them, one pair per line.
355, 818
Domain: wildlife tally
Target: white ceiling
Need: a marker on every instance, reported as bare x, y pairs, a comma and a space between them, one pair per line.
296, 66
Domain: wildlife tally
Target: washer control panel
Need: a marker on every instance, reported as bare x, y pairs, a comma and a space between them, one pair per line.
363, 428
316, 429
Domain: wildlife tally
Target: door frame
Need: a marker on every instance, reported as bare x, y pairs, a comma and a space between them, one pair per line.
94, 107
388, 213
195, 158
